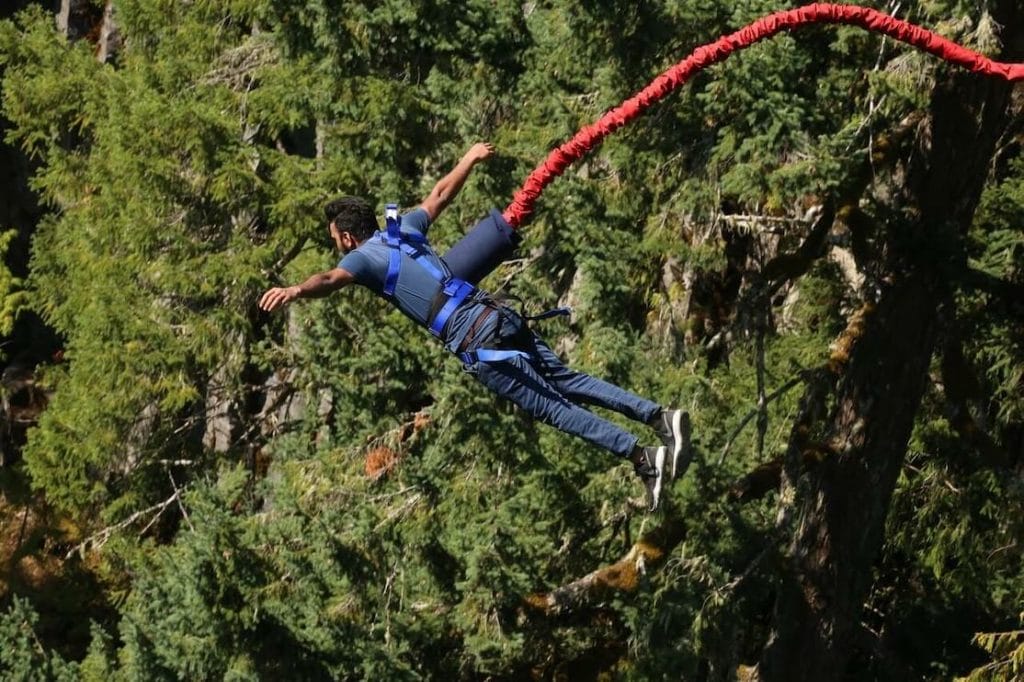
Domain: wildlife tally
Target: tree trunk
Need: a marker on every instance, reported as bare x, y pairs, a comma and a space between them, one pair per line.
77, 18
837, 509
110, 36
841, 503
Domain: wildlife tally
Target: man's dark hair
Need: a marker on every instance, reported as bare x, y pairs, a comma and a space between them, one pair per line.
352, 214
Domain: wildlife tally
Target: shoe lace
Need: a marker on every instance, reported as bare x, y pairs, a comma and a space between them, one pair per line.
645, 470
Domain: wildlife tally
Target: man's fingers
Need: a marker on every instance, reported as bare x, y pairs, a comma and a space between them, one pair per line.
482, 150
272, 299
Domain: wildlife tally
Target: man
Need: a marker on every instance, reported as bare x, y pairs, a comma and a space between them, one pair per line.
491, 339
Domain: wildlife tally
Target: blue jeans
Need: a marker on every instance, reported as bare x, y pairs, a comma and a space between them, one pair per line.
553, 393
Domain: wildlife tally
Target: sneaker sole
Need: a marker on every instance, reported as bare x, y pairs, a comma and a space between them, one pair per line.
681, 443
659, 464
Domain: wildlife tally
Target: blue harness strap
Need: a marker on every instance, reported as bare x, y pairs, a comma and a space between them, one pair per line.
490, 355
457, 290
393, 238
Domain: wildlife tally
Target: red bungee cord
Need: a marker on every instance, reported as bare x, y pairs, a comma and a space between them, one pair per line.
590, 136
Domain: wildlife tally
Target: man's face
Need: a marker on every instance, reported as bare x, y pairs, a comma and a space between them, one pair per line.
343, 239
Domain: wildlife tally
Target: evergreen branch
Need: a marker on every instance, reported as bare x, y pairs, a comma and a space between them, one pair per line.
945, 481
403, 432
767, 477
26, 626
1009, 294
757, 224
1009, 646
237, 67
999, 550
374, 498
873, 107
264, 415
963, 390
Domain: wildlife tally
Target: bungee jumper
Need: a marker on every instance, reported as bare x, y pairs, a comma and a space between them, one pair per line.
492, 340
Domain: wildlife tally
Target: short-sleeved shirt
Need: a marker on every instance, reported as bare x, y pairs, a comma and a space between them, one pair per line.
416, 289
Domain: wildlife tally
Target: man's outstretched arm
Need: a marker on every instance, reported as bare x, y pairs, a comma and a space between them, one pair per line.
448, 186
317, 286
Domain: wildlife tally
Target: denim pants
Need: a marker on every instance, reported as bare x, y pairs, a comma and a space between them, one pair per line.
544, 387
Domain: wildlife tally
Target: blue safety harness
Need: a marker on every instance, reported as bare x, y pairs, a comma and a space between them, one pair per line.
456, 290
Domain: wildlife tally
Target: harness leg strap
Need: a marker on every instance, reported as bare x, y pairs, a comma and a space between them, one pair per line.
490, 355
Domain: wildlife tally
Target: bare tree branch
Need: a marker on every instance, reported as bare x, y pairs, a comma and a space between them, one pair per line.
788, 266
777, 393
98, 539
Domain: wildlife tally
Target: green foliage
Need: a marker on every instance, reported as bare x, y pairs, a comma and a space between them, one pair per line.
188, 177
1008, 650
13, 298
25, 657
997, 249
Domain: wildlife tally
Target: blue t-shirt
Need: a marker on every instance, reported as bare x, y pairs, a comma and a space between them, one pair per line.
416, 289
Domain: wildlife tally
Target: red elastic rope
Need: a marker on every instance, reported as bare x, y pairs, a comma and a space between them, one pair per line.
590, 136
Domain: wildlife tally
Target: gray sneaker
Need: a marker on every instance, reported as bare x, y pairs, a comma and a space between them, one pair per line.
652, 473
673, 427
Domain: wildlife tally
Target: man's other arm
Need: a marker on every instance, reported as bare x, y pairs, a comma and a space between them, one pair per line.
317, 286
448, 186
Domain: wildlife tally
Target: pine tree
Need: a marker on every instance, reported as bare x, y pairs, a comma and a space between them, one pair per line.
326, 495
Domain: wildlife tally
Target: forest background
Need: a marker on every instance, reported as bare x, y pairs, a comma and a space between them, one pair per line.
815, 247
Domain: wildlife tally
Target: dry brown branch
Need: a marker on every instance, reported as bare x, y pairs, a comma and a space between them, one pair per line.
516, 267
762, 399
237, 67
98, 539
177, 495
766, 478
788, 266
777, 393
397, 436
757, 224
274, 271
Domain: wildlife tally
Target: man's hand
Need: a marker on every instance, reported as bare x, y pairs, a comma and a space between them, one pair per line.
480, 151
446, 189
277, 297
